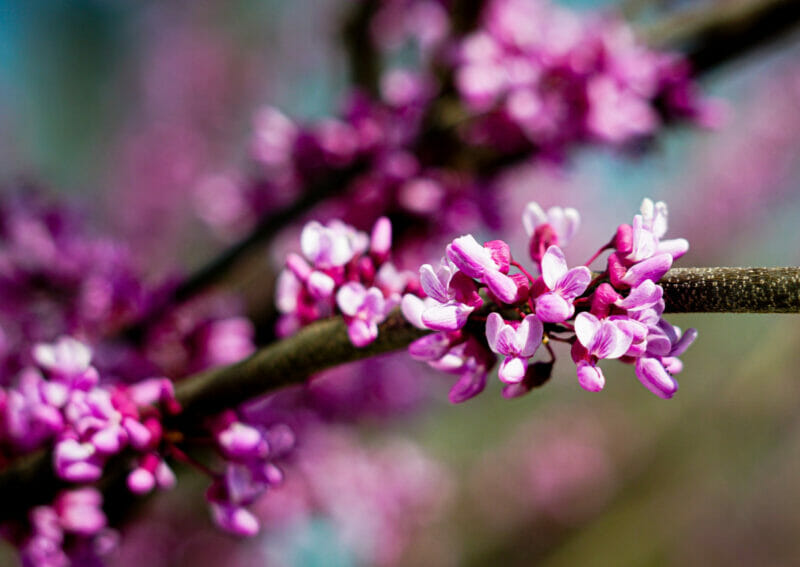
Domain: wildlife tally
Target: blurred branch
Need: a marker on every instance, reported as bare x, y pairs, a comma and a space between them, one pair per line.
718, 32
362, 57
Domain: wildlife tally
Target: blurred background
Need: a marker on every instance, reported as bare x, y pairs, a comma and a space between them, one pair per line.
130, 107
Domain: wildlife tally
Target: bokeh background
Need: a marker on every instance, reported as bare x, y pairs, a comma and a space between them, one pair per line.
127, 107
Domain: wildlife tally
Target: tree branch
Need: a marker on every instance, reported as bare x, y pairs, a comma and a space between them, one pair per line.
722, 31
732, 290
324, 344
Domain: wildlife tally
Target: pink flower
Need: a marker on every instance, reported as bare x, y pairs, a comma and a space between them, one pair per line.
556, 305
455, 296
477, 262
518, 344
600, 340
556, 227
363, 309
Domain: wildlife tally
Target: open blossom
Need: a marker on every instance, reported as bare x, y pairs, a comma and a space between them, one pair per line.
454, 296
556, 227
363, 309
517, 344
478, 262
563, 287
250, 452
600, 340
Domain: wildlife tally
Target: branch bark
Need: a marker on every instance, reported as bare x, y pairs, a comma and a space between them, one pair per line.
324, 344
721, 31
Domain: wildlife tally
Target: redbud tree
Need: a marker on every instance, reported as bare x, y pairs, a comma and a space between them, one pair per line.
433, 215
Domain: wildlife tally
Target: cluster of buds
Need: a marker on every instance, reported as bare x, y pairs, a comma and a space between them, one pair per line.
60, 400
342, 271
249, 451
73, 531
616, 314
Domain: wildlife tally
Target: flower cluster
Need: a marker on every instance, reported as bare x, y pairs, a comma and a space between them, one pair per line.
342, 271
531, 81
61, 399
619, 311
249, 452
543, 74
70, 532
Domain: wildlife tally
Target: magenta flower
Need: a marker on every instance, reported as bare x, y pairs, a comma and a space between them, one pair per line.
477, 262
455, 297
363, 309
471, 361
600, 339
77, 462
67, 356
556, 305
655, 368
654, 219
517, 343
332, 245
556, 227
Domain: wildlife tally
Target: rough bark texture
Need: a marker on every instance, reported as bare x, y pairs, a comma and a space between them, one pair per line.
732, 290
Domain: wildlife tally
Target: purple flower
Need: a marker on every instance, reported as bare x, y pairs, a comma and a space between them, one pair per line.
363, 309
655, 368
471, 361
477, 262
518, 344
559, 223
556, 305
234, 519
332, 245
654, 219
454, 297
80, 511
67, 356
600, 339
77, 462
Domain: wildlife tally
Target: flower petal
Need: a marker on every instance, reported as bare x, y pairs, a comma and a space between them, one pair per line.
433, 286
470, 257
533, 216
654, 377
502, 286
449, 317
528, 336
590, 377
470, 384
651, 269
350, 297
552, 308
586, 327
429, 347
512, 370
574, 282
610, 341
494, 322
554, 265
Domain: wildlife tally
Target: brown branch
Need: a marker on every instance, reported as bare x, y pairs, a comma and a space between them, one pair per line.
719, 32
732, 290
324, 344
